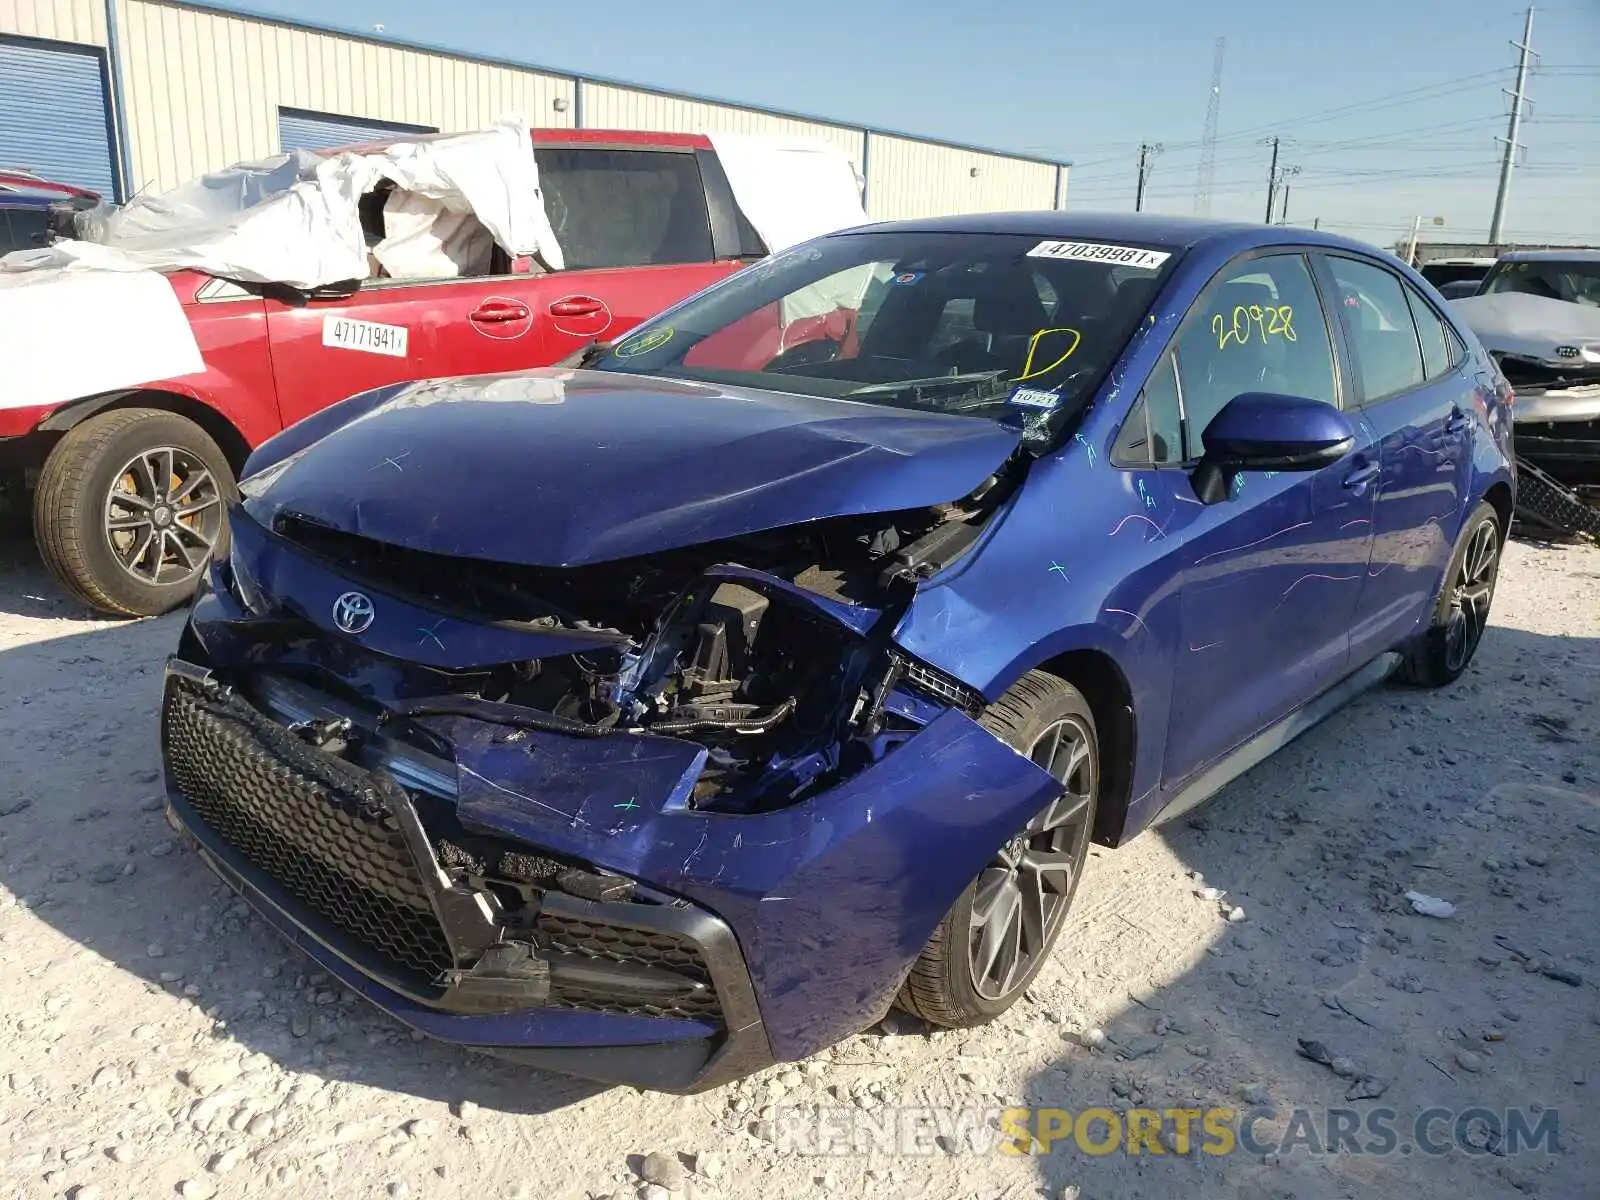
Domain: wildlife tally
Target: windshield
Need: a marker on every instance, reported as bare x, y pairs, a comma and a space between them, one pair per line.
991, 325
1577, 282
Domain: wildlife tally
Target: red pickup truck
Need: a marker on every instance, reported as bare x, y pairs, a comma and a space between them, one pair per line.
129, 487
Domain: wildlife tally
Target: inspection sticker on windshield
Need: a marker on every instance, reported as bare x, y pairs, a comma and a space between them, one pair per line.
1027, 397
367, 336
1121, 256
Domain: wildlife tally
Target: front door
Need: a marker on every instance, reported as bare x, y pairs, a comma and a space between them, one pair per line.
1271, 576
1418, 406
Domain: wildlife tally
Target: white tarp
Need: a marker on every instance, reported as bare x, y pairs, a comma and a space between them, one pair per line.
295, 219
791, 189
65, 334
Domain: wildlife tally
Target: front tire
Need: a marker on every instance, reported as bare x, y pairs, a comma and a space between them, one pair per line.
1461, 615
130, 509
1000, 931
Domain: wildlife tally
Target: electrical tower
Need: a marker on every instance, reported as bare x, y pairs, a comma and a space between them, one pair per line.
1208, 142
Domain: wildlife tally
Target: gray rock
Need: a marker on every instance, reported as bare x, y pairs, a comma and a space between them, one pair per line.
1343, 1066
708, 1166
1467, 1060
467, 1112
259, 1124
85, 1191
654, 1191
120, 1153
106, 873
1236, 915
1255, 1095
221, 1164
421, 1127
195, 1189
398, 1189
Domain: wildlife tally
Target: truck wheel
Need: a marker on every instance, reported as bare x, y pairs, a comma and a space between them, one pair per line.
130, 509
1001, 930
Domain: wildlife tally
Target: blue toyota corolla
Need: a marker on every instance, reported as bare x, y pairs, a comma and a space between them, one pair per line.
678, 713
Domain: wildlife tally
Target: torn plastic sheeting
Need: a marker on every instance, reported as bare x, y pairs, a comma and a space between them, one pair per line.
790, 189
295, 219
65, 334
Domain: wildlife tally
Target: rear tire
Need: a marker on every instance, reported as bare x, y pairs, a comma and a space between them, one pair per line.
1446, 647
1018, 904
130, 509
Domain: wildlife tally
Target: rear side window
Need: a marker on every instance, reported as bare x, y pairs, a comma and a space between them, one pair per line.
625, 208
1437, 352
1378, 324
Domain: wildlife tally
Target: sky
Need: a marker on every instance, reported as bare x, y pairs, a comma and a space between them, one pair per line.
1389, 108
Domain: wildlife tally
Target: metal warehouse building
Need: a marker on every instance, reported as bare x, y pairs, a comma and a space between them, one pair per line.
125, 95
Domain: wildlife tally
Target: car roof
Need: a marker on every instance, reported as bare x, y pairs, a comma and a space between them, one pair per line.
1156, 230
1581, 254
626, 138
25, 185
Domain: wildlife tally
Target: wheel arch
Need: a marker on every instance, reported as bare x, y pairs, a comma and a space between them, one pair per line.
1102, 682
1500, 498
217, 426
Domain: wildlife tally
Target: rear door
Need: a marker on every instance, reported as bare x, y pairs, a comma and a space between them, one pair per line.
392, 331
640, 229
1418, 406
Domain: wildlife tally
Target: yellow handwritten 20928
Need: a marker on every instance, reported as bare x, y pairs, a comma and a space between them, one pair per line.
1254, 320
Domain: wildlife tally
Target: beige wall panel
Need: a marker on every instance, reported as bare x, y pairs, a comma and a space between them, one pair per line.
204, 89
608, 107
81, 21
907, 178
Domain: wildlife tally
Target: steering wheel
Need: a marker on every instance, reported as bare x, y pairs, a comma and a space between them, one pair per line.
806, 354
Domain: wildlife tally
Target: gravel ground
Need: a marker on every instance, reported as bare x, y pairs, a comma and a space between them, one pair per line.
156, 1039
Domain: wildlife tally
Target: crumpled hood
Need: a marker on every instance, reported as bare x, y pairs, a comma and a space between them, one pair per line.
565, 468
1533, 327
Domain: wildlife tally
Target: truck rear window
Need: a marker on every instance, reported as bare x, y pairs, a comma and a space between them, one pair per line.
625, 208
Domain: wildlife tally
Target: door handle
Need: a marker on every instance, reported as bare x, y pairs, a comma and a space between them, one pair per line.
1358, 479
496, 312
576, 306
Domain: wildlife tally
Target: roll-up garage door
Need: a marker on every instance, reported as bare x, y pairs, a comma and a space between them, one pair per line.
301, 130
53, 114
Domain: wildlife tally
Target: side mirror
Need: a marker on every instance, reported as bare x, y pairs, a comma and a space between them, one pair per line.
1260, 431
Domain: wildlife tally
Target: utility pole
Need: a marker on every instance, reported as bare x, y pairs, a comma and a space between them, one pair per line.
1509, 162
1147, 151
1411, 246
1283, 212
1272, 175
1316, 222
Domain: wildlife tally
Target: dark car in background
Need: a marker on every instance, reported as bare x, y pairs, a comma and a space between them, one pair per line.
32, 209
660, 720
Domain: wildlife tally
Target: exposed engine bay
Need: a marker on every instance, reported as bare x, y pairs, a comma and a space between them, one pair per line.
771, 650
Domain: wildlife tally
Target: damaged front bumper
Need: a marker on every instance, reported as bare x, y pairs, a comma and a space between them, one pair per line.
1558, 430
557, 899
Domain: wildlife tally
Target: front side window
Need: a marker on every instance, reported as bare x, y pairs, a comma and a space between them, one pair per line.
1377, 323
625, 208
1258, 327
977, 324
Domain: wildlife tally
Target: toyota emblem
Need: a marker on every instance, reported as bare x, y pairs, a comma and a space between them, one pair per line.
353, 612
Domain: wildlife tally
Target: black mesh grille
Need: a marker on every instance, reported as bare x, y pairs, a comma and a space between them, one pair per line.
311, 822
619, 943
